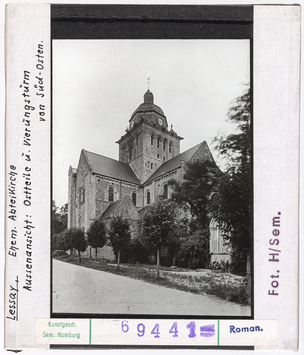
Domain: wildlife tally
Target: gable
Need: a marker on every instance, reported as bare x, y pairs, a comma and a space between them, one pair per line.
124, 208
186, 156
202, 154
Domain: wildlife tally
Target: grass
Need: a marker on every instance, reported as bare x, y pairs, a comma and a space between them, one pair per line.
222, 284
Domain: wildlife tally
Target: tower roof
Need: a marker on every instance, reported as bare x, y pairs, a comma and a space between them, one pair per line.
149, 110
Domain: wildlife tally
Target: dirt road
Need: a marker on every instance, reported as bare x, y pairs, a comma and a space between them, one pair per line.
77, 289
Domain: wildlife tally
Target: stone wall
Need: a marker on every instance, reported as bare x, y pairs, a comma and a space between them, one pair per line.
82, 194
156, 188
121, 190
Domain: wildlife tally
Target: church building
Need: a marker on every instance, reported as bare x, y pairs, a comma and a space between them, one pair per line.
149, 156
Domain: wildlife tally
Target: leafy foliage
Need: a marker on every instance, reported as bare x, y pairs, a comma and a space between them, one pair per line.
97, 235
120, 235
159, 224
138, 251
199, 181
76, 239
59, 218
233, 206
194, 250
237, 147
159, 227
220, 265
61, 242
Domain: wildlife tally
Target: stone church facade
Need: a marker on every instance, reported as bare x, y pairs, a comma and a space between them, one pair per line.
149, 156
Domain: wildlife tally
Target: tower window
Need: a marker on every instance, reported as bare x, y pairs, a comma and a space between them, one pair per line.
164, 145
170, 147
151, 140
151, 165
111, 194
164, 158
157, 156
134, 198
148, 197
158, 140
165, 191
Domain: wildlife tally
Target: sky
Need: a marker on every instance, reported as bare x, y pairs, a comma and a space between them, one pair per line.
98, 84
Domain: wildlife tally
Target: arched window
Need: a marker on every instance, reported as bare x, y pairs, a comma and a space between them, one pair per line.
170, 147
164, 145
111, 194
151, 165
151, 140
134, 198
148, 197
165, 191
158, 140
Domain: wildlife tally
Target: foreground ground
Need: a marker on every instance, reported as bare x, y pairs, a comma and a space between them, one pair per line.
77, 289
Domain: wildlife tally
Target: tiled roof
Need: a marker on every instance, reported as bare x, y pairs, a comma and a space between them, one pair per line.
175, 162
110, 167
110, 209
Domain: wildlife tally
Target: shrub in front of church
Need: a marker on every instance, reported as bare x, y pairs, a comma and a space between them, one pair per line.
194, 250
137, 252
97, 235
60, 244
220, 265
120, 237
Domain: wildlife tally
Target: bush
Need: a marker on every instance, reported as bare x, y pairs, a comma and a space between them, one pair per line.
194, 251
137, 252
219, 265
238, 262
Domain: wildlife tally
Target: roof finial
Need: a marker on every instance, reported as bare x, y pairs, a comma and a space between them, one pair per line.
148, 83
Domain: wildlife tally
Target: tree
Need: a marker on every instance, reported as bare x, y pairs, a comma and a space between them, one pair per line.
236, 148
232, 207
159, 225
97, 235
77, 240
120, 236
59, 219
61, 241
199, 181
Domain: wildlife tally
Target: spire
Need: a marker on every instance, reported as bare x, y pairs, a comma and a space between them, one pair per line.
148, 83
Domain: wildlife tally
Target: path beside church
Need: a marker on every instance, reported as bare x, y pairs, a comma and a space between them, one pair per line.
77, 289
